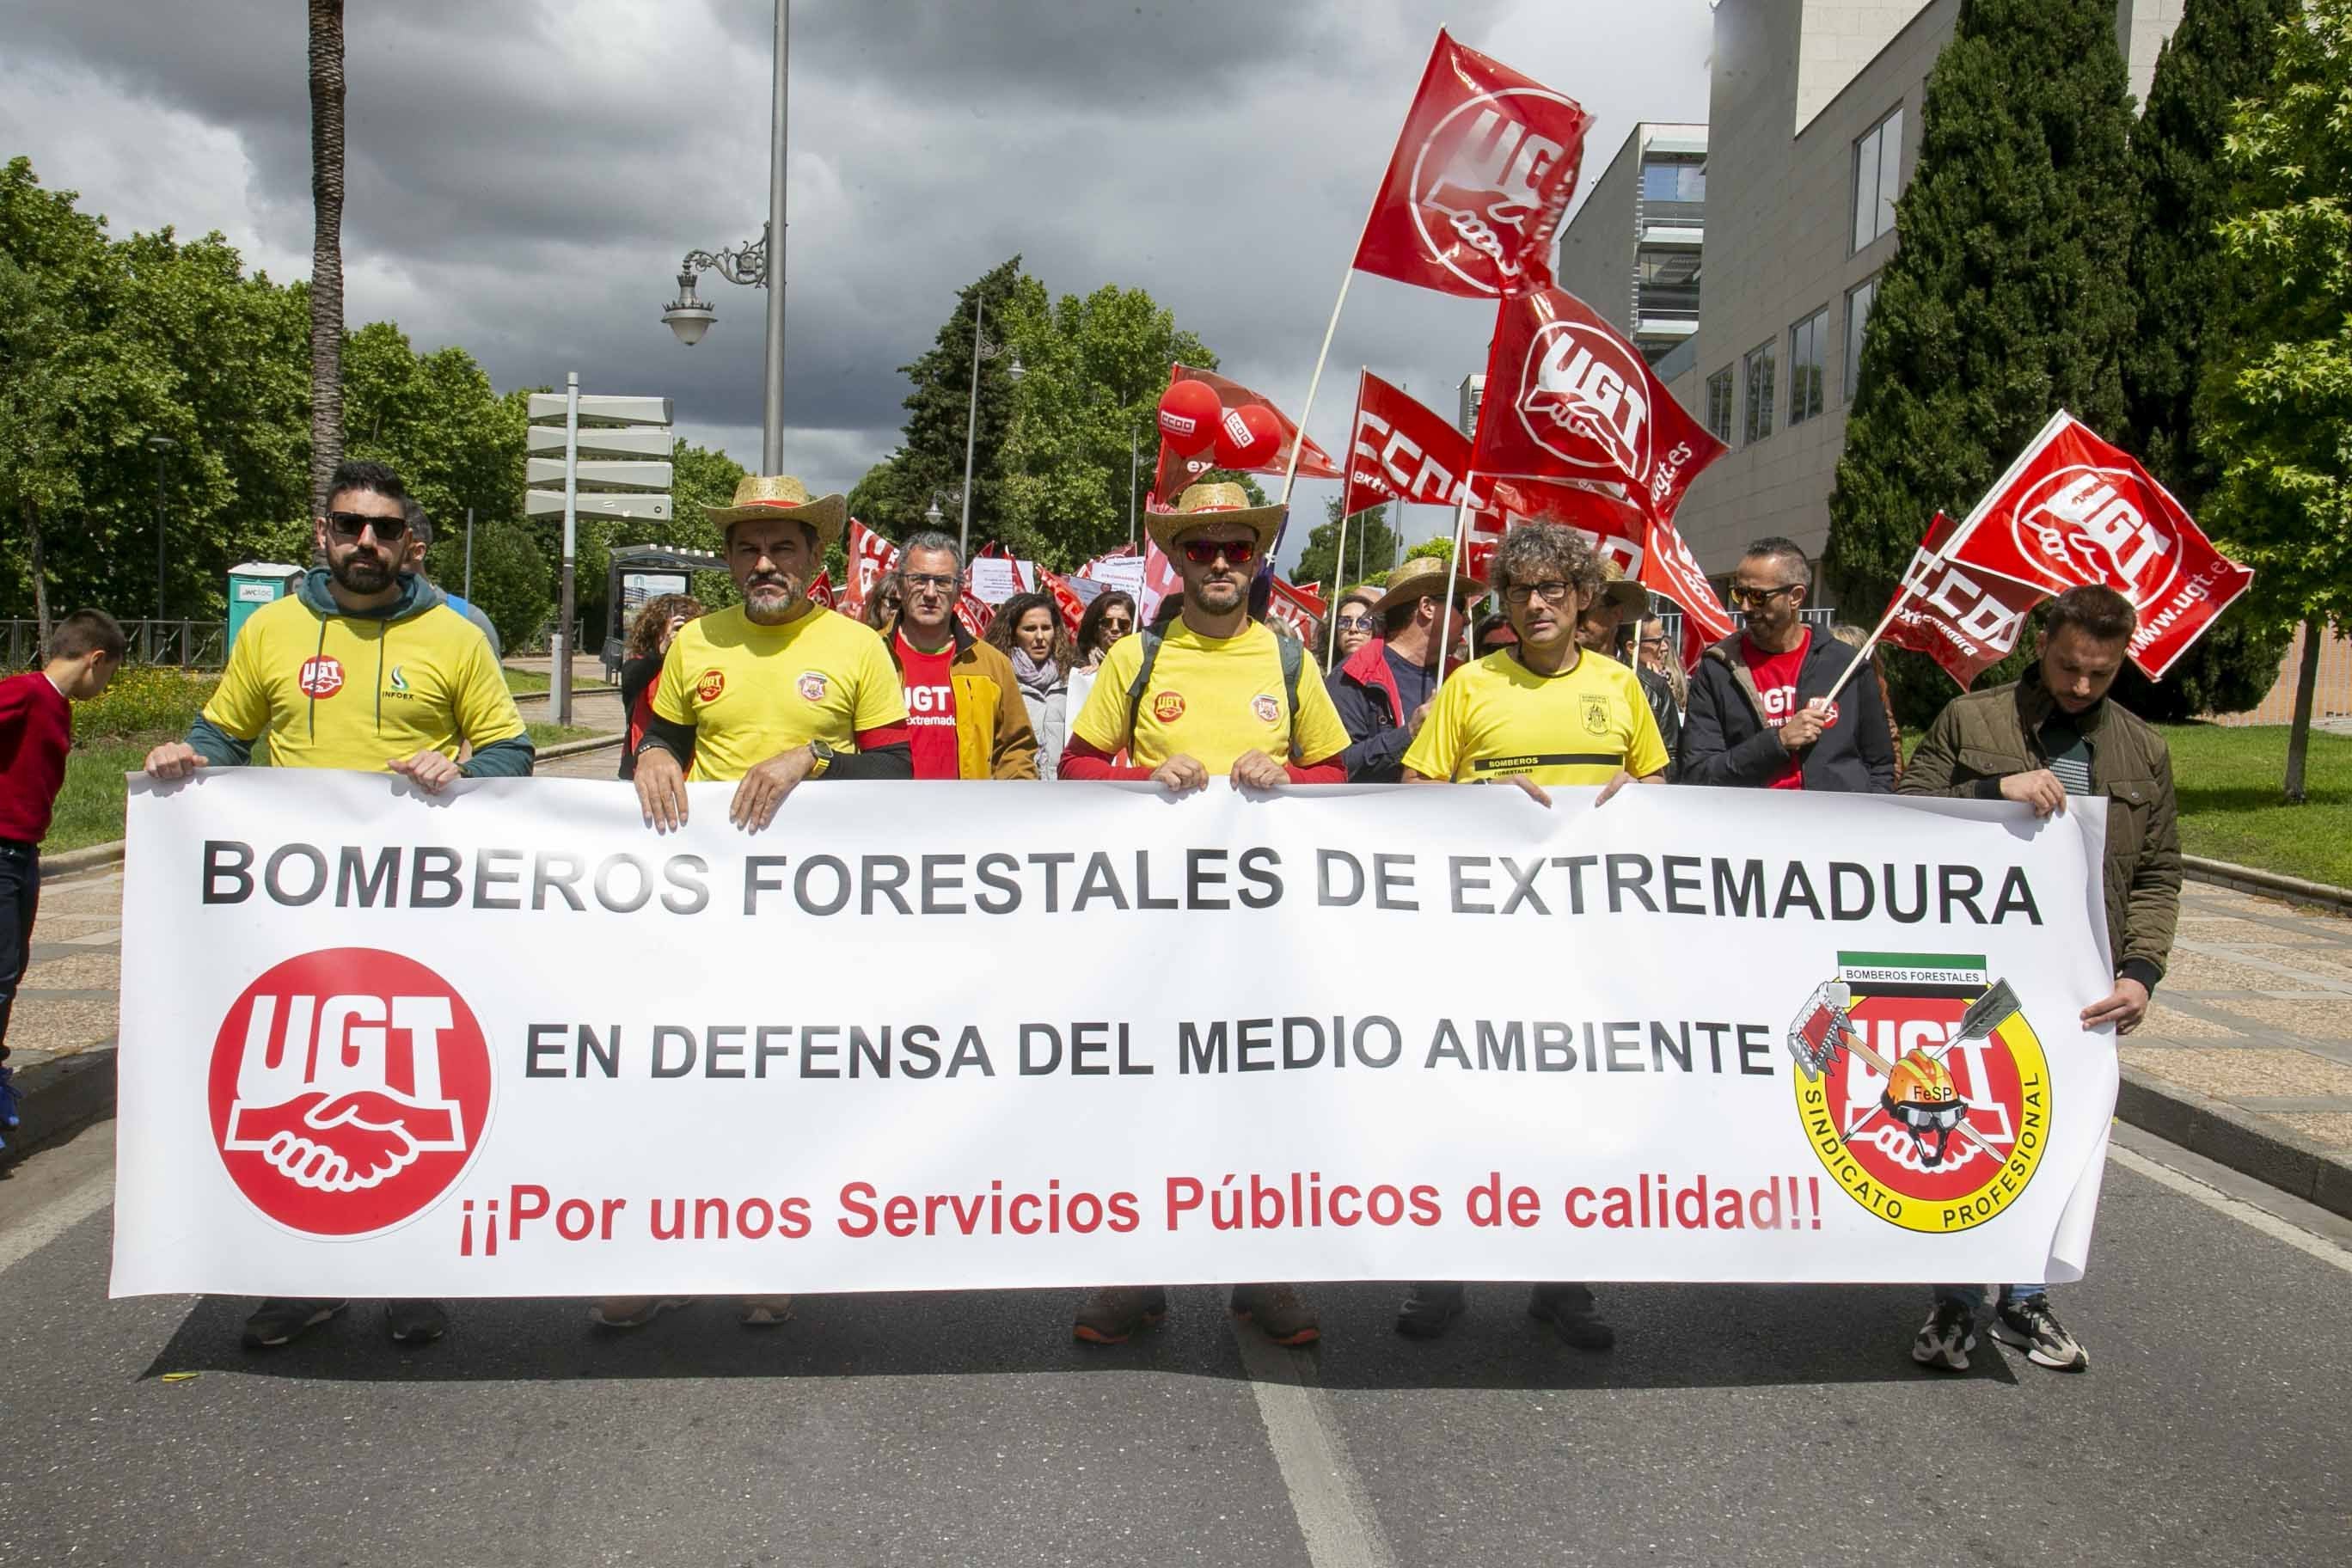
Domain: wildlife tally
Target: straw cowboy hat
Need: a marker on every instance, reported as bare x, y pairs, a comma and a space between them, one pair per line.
1627, 596
1206, 504
781, 495
1423, 576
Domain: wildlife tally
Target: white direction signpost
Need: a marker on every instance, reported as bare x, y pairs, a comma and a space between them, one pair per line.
619, 443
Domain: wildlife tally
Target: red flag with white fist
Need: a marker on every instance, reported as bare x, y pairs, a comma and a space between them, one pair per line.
1480, 179
1568, 398
1966, 620
2074, 511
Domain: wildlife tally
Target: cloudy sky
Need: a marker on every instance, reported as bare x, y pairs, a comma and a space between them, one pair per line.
524, 174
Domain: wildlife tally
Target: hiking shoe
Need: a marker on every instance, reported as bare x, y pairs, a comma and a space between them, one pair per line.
1111, 1315
414, 1322
2029, 1325
282, 1318
1429, 1309
8, 1100
1570, 1310
1947, 1336
1278, 1313
632, 1311
765, 1312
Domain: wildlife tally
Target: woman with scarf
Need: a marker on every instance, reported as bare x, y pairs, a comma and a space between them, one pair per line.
1029, 630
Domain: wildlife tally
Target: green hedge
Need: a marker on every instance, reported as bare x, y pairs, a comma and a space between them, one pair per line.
145, 700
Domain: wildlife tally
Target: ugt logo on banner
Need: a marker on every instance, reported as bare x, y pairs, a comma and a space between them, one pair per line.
348, 1090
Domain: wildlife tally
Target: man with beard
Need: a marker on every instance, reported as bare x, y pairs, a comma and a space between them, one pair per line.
1761, 715
1383, 687
1542, 712
364, 666
1213, 693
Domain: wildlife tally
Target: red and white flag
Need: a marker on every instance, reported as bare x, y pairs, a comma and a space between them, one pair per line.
1965, 619
871, 556
1295, 608
1251, 435
1668, 568
1066, 602
1402, 450
821, 591
975, 614
2074, 511
1568, 398
1479, 182
1160, 582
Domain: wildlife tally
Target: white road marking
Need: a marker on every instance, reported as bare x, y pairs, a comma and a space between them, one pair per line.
54, 1219
2244, 1213
1334, 1512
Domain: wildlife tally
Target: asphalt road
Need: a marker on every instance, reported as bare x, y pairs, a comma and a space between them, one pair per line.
1745, 1425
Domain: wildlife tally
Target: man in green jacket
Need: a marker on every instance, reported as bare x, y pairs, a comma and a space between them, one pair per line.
2051, 735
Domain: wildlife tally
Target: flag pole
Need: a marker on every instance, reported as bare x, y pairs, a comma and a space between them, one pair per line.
1338, 561
1306, 409
1911, 578
1453, 576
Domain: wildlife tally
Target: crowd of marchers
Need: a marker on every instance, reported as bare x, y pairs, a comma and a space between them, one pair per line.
1571, 683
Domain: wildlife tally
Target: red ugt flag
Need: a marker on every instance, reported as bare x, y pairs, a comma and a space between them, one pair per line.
871, 556
1964, 619
1568, 398
2074, 510
1481, 177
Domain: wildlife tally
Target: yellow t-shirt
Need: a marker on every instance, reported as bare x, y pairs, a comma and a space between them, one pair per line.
751, 691
1498, 717
339, 692
1210, 699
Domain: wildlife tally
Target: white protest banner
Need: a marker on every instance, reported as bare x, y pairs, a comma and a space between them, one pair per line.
996, 578
511, 1042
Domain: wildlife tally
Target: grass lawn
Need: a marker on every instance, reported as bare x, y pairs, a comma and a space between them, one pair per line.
2228, 781
524, 682
90, 807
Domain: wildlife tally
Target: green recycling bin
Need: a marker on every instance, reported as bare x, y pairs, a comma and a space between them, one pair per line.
254, 584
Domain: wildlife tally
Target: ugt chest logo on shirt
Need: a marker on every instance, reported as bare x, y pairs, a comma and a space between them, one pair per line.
321, 677
348, 1089
1781, 705
930, 704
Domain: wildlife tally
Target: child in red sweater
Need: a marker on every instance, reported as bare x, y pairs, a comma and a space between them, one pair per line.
35, 732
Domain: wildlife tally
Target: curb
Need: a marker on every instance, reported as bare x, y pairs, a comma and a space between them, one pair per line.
2229, 1136
2254, 879
72, 862
61, 1097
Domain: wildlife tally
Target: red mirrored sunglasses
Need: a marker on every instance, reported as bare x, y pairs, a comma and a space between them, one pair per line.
1204, 551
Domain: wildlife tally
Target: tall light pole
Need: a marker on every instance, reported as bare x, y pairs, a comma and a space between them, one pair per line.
758, 263
982, 351
162, 446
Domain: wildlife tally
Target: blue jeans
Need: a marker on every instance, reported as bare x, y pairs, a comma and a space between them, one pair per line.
1973, 1296
20, 897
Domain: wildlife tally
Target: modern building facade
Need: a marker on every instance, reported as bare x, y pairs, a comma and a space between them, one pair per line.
1633, 252
1813, 130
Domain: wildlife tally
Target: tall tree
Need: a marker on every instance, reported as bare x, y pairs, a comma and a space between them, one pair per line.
1371, 548
326, 244
2275, 395
2222, 51
2008, 299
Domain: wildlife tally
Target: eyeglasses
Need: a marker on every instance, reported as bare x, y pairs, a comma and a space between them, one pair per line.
1657, 641
1741, 594
1204, 551
1116, 626
1551, 592
1355, 623
352, 524
928, 580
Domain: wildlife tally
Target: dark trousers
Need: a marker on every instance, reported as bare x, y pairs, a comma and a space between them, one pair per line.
20, 897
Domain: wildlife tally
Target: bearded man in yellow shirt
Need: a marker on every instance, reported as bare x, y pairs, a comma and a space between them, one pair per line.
1541, 712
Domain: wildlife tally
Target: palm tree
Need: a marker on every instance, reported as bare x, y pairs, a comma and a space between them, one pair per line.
326, 244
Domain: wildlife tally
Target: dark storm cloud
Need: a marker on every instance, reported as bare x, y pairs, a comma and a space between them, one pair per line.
523, 178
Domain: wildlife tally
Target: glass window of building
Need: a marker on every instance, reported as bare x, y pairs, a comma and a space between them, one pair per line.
1667, 281
1673, 180
1878, 179
1807, 346
1759, 371
1719, 405
1857, 318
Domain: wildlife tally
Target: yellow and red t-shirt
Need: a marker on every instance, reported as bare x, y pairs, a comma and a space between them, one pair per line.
1210, 699
751, 691
350, 691
1498, 717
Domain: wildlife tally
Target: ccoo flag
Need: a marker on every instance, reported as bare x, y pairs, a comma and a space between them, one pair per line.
1481, 177
1964, 619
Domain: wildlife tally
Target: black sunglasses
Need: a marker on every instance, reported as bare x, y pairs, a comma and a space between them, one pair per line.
352, 524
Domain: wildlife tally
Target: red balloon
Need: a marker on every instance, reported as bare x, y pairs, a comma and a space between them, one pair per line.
1187, 415
1248, 436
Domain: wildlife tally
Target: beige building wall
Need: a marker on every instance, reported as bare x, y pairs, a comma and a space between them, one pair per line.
1788, 107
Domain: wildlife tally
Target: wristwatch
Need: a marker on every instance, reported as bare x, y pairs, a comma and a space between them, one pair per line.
822, 764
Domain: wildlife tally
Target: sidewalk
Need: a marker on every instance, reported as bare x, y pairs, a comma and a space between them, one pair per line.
2246, 1055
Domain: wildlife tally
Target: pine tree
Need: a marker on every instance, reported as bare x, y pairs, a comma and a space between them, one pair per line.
2183, 284
2008, 299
